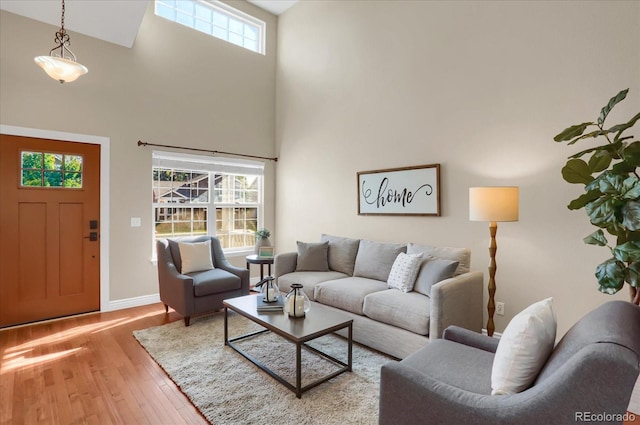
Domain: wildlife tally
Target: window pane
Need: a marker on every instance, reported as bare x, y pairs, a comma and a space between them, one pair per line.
251, 45
203, 26
31, 178
220, 33
73, 180
165, 12
53, 178
32, 160
220, 20
235, 26
185, 6
250, 32
72, 163
52, 161
184, 19
203, 13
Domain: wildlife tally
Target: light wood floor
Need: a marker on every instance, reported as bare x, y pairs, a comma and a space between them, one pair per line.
90, 370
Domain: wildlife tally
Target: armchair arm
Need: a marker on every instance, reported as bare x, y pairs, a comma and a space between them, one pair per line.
284, 263
470, 338
176, 289
456, 301
221, 262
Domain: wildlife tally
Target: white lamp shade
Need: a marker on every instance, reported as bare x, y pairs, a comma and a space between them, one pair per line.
493, 203
63, 70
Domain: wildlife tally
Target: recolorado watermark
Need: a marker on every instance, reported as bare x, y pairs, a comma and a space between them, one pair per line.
604, 417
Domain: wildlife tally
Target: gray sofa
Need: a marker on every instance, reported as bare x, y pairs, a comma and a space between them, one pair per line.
398, 323
590, 372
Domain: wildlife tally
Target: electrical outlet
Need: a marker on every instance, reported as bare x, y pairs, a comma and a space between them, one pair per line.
500, 309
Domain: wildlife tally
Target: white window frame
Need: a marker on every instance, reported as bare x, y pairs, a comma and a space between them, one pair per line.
212, 165
224, 9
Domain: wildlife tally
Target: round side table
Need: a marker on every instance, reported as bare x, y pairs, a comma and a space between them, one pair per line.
255, 259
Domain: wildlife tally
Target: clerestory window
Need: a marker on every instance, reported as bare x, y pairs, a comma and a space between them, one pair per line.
216, 19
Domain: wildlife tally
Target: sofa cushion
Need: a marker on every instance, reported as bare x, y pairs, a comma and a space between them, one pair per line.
214, 281
348, 293
375, 259
308, 280
195, 257
462, 255
312, 257
524, 347
410, 311
342, 253
453, 364
404, 271
432, 271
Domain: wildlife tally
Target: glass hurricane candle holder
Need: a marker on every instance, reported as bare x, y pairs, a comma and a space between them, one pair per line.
269, 289
296, 303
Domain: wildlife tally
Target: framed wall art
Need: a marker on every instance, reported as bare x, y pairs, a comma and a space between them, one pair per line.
400, 191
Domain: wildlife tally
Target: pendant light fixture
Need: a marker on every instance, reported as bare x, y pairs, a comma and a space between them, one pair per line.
61, 63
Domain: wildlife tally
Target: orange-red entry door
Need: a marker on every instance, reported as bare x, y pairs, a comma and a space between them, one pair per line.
49, 229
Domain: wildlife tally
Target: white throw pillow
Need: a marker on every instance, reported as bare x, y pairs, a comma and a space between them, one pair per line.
196, 257
524, 348
404, 271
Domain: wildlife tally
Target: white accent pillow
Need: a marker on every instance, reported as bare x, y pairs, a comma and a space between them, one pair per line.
404, 271
195, 257
524, 348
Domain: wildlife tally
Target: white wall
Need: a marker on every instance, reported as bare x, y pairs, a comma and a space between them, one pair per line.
480, 87
175, 86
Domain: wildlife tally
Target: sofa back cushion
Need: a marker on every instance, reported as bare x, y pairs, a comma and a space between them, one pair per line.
342, 253
461, 255
432, 271
375, 259
312, 257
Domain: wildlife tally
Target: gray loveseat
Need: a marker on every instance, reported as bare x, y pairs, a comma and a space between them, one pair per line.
354, 281
590, 373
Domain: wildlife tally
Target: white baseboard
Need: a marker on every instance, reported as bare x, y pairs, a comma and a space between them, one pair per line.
131, 302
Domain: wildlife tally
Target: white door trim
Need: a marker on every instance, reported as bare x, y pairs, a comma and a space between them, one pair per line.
104, 143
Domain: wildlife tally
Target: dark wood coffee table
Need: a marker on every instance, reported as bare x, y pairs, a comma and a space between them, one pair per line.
318, 322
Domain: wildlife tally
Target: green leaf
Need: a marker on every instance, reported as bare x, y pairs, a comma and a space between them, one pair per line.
620, 128
591, 135
627, 252
573, 131
631, 188
577, 171
631, 215
610, 183
602, 212
612, 102
632, 274
599, 161
596, 238
631, 154
583, 200
610, 275
609, 148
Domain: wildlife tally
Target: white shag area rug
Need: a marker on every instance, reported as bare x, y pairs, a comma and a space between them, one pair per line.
228, 389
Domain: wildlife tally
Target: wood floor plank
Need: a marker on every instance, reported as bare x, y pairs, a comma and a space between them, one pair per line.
88, 369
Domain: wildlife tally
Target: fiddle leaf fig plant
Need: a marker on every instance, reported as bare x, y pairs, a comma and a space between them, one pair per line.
609, 173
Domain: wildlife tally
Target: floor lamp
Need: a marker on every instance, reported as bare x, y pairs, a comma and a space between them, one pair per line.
493, 204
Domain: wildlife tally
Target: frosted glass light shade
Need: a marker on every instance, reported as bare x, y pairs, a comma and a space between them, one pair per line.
494, 203
63, 70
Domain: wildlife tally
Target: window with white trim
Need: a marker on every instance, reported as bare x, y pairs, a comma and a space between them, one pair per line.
216, 19
201, 195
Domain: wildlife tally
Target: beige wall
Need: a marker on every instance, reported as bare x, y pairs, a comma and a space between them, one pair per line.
479, 87
175, 86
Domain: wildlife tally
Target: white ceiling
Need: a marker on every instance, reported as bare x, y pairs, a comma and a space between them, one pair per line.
115, 21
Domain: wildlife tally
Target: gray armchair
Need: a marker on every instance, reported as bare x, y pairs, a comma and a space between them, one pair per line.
198, 292
592, 370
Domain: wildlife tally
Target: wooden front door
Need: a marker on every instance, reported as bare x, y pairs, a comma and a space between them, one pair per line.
49, 229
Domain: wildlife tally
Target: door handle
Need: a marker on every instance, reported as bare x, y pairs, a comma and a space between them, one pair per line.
93, 236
